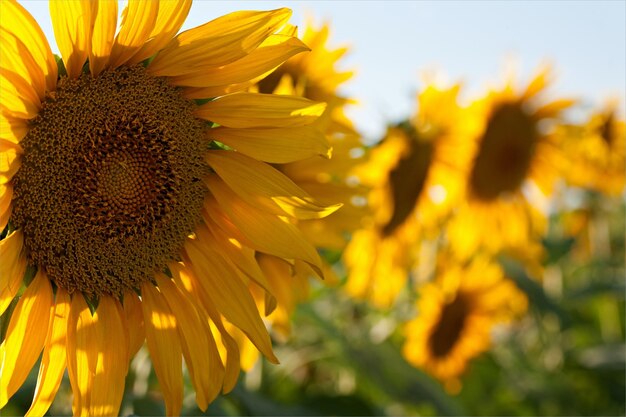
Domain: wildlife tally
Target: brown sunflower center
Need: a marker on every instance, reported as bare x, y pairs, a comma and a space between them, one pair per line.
407, 181
607, 130
110, 183
449, 328
505, 154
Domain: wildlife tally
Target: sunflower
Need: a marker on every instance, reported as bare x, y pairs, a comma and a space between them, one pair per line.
456, 314
125, 217
414, 176
597, 151
511, 171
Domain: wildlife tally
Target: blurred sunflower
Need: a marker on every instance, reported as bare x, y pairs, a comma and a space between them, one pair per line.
456, 314
114, 188
414, 176
314, 76
598, 151
515, 164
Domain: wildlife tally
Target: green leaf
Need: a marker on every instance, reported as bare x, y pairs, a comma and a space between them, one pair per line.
595, 289
146, 406
253, 404
556, 248
381, 367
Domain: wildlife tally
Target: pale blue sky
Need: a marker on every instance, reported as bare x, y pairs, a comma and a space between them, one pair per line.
392, 42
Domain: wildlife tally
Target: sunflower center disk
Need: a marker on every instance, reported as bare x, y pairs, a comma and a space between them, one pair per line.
110, 183
407, 182
449, 328
607, 130
126, 181
506, 151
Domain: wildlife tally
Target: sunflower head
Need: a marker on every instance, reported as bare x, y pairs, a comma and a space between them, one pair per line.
597, 151
414, 178
515, 162
512, 139
414, 160
106, 187
130, 189
455, 316
506, 150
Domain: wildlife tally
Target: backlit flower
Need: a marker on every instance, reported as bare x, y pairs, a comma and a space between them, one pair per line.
117, 189
513, 168
597, 151
415, 178
455, 316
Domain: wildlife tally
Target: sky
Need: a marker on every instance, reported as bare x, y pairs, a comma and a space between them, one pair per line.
393, 42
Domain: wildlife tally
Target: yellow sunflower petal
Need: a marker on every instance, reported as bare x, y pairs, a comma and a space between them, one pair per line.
171, 16
4, 217
104, 16
184, 280
267, 232
10, 161
107, 386
213, 214
261, 185
229, 294
6, 193
538, 84
243, 73
25, 335
72, 24
232, 366
17, 96
242, 110
137, 25
276, 146
259, 62
164, 346
194, 340
6, 145
278, 269
218, 42
12, 129
134, 320
220, 90
16, 20
82, 354
15, 57
12, 267
553, 108
54, 356
242, 256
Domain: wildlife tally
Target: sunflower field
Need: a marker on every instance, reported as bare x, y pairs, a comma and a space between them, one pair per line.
193, 223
